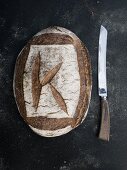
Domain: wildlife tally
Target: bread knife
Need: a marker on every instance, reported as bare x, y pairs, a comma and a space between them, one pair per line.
102, 86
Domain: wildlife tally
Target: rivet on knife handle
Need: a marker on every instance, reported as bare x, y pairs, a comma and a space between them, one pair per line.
105, 120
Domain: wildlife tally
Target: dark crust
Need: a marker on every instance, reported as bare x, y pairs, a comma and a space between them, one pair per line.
59, 99
85, 82
36, 86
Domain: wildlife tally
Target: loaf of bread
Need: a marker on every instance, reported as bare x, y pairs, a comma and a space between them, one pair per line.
52, 82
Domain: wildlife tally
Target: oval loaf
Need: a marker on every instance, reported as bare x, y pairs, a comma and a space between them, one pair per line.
52, 82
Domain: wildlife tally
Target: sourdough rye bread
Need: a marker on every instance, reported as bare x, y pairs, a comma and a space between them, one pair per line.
52, 82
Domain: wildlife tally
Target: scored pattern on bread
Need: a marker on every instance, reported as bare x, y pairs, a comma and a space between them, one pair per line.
36, 85
59, 99
51, 73
58, 67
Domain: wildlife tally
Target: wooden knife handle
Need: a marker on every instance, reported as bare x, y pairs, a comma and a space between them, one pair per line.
105, 120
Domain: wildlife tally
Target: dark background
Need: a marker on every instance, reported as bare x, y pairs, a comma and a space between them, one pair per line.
20, 148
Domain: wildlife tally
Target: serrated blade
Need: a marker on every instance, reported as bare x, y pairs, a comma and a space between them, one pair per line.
102, 82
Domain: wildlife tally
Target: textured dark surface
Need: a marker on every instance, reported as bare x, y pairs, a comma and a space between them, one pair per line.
20, 148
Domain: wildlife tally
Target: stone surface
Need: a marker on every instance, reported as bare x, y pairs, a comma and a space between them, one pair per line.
20, 148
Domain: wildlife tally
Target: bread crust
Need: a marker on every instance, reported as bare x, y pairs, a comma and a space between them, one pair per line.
49, 37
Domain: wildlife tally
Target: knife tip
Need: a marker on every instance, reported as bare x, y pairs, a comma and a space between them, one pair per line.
103, 29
